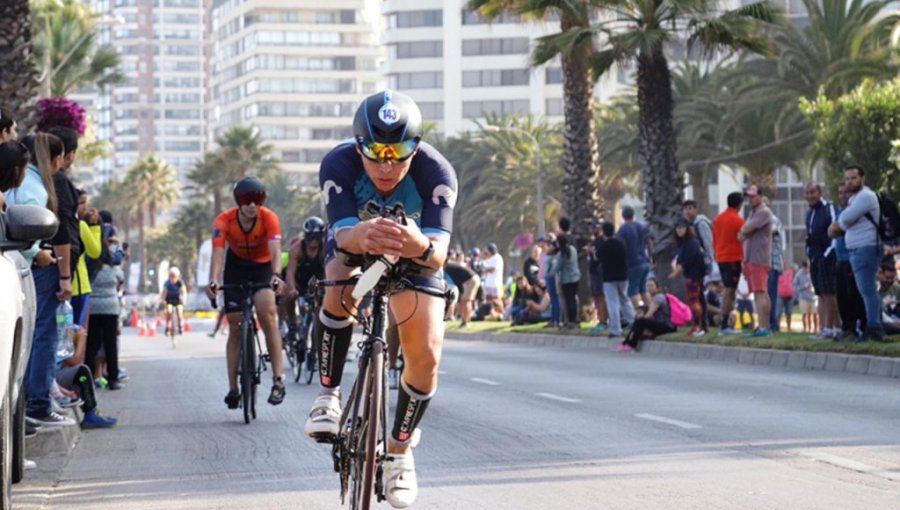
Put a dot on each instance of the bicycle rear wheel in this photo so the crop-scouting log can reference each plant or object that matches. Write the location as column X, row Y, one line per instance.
column 247, row 368
column 298, row 353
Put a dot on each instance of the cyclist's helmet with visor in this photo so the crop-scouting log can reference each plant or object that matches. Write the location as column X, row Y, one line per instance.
column 249, row 190
column 387, row 127
column 313, row 228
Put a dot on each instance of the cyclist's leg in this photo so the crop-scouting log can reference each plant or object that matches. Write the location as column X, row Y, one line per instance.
column 233, row 349
column 168, row 317
column 179, row 312
column 334, row 327
column 264, row 301
column 422, row 338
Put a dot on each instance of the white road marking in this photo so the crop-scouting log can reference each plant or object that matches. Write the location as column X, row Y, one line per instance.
column 441, row 372
column 669, row 421
column 853, row 465
column 484, row 381
column 551, row 396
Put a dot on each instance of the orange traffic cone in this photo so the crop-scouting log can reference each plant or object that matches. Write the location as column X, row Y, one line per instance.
column 142, row 329
column 187, row 326
column 134, row 318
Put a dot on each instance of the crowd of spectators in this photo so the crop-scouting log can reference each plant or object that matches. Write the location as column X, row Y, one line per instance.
column 80, row 265
column 731, row 272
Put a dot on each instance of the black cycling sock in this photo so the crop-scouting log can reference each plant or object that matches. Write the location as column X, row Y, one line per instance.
column 334, row 335
column 411, row 405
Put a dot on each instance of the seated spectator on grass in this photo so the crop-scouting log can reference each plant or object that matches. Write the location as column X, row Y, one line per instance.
column 889, row 290
column 743, row 305
column 655, row 321
column 806, row 298
column 714, row 293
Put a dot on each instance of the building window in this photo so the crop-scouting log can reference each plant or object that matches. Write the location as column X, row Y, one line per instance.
column 478, row 109
column 432, row 110
column 411, row 19
column 511, row 46
column 473, row 18
column 555, row 107
column 495, row 78
column 423, row 80
column 419, row 49
column 554, row 75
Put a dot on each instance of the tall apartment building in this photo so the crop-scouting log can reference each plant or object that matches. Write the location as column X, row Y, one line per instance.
column 458, row 66
column 160, row 106
column 295, row 70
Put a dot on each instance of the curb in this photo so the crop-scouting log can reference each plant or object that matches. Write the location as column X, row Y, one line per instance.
column 51, row 450
column 859, row 364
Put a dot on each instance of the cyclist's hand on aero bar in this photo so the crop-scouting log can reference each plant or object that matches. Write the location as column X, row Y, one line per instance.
column 383, row 236
column 414, row 242
column 277, row 285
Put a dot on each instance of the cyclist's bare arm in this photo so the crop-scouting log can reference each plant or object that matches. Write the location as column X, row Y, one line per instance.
column 275, row 254
column 215, row 269
column 293, row 259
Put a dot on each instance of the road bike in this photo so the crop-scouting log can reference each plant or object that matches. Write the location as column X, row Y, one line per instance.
column 250, row 364
column 358, row 451
column 171, row 318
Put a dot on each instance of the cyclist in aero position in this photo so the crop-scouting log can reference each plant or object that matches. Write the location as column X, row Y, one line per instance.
column 305, row 261
column 252, row 234
column 173, row 296
column 387, row 167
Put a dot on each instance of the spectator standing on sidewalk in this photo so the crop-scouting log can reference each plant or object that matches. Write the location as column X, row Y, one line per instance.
column 551, row 269
column 778, row 246
column 858, row 222
column 729, row 254
column 636, row 237
column 703, row 228
column 596, row 278
column 493, row 276
column 569, row 276
column 822, row 260
column 613, row 256
column 756, row 234
column 849, row 302
column 690, row 262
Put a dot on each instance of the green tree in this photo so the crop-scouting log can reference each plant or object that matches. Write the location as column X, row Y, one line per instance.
column 574, row 47
column 18, row 87
column 859, row 128
column 210, row 180
column 153, row 186
column 637, row 32
column 243, row 152
column 65, row 49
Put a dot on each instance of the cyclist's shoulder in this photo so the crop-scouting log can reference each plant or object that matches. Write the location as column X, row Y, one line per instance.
column 227, row 216
column 340, row 159
column 431, row 165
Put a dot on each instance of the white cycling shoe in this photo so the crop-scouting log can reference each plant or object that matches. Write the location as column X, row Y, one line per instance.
column 323, row 422
column 400, row 484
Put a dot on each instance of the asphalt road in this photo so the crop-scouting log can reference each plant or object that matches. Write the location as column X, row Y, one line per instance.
column 512, row 427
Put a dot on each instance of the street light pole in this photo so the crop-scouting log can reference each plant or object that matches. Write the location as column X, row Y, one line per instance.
column 539, row 178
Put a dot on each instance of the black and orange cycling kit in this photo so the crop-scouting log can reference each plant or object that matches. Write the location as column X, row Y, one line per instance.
column 248, row 257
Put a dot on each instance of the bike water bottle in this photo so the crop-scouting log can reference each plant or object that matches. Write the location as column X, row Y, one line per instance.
column 65, row 331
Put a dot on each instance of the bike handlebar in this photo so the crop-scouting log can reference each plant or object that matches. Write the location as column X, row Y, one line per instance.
column 251, row 286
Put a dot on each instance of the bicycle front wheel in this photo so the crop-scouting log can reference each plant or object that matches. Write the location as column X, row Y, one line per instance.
column 247, row 368
column 312, row 354
column 373, row 429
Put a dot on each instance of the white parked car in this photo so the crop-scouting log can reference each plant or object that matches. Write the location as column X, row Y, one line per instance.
column 20, row 227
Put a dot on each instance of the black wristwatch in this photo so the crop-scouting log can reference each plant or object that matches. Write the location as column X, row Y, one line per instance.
column 425, row 257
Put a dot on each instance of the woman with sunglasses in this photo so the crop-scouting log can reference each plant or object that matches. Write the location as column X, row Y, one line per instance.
column 247, row 240
column 387, row 168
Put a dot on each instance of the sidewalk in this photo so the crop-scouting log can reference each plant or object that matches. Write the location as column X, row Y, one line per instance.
column 794, row 360
column 50, row 449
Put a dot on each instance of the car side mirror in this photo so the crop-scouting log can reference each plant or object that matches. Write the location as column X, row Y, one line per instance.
column 25, row 224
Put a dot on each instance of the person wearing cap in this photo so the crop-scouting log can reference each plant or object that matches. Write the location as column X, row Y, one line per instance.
column 729, row 255
column 858, row 223
column 636, row 237
column 756, row 234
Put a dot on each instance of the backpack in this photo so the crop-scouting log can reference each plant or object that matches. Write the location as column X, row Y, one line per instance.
column 786, row 284
column 679, row 313
column 888, row 224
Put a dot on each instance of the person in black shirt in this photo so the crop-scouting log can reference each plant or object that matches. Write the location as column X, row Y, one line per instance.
column 690, row 262
column 468, row 283
column 615, row 280
column 530, row 267
column 596, row 273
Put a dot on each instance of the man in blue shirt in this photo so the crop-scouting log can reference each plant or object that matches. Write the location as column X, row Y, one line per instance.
column 636, row 237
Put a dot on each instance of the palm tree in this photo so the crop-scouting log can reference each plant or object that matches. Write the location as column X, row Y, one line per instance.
column 210, row 179
column 18, row 87
column 581, row 159
column 65, row 50
column 619, row 145
column 637, row 32
column 153, row 187
column 194, row 219
column 243, row 152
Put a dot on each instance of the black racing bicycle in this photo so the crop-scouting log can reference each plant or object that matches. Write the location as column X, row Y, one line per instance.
column 356, row 453
column 300, row 346
column 250, row 364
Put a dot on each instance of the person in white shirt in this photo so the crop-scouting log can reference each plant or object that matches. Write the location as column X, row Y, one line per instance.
column 493, row 275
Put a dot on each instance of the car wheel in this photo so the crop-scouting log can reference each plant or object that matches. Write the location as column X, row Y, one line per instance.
column 18, row 438
column 6, row 454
